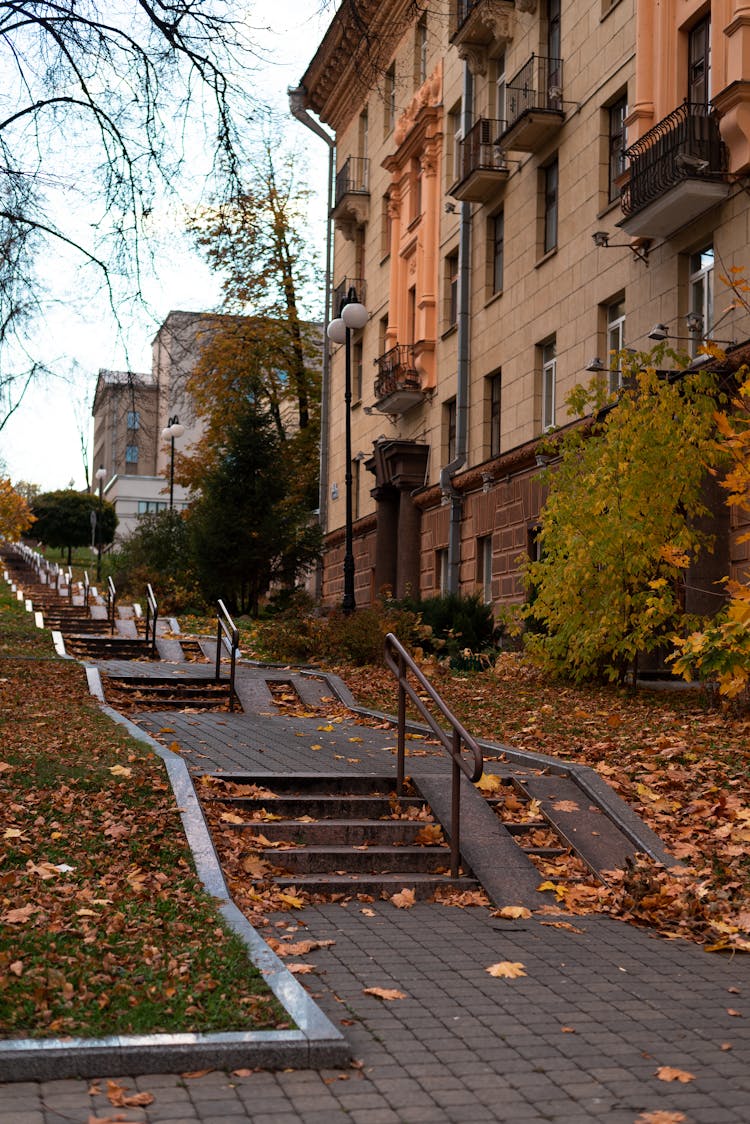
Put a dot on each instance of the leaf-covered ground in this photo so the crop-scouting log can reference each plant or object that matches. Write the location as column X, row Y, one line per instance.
column 684, row 767
column 105, row 929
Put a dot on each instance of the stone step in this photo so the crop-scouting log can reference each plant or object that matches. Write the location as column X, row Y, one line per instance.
column 374, row 885
column 351, row 832
column 375, row 859
column 321, row 806
column 310, row 783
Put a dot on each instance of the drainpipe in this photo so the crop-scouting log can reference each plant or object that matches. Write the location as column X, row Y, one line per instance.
column 462, row 378
column 298, row 109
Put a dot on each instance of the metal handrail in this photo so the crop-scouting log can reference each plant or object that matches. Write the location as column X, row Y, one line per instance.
column 353, row 178
column 111, row 600
column 226, row 633
column 152, row 612
column 401, row 664
column 86, row 589
column 69, row 579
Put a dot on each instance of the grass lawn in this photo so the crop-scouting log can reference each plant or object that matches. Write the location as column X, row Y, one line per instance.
column 105, row 927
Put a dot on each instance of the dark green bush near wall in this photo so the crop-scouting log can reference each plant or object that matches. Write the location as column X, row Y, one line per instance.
column 455, row 622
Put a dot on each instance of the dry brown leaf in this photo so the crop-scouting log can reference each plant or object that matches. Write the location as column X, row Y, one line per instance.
column 368, row 912
column 116, row 1119
column 385, row 993
column 735, row 1014
column 660, row 1117
column 242, row 1072
column 670, row 1073
column 21, row 915
column 567, row 1030
column 566, row 806
column 506, row 970
column 512, row 912
column 118, row 1096
column 489, row 783
column 300, row 969
column 563, row 925
column 196, row 1073
column 404, row 899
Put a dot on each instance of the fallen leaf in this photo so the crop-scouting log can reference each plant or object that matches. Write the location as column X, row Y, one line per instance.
column 660, row 1117
column 196, row 1073
column 563, row 925
column 120, row 771
column 565, row 806
column 385, row 993
column 242, row 1072
column 16, row 967
column 735, row 1014
column 404, row 899
column 300, row 969
column 726, row 1046
column 506, row 970
column 512, row 912
column 567, row 1030
column 368, row 912
column 670, row 1073
column 489, row 782
column 231, row 817
column 21, row 915
column 120, row 1098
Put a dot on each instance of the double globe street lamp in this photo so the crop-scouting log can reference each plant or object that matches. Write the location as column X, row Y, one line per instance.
column 173, row 429
column 352, row 317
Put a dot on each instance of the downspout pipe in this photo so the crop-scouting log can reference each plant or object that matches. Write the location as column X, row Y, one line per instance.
column 462, row 377
column 298, row 108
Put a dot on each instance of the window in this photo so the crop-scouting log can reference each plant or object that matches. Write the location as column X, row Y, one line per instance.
column 699, row 63
column 497, row 249
column 617, row 145
column 550, row 183
column 386, row 226
column 549, row 375
column 147, row 507
column 615, row 342
column 441, row 570
column 411, row 321
column 484, row 567
column 131, row 454
column 498, row 110
column 363, row 134
column 357, row 369
column 702, row 293
column 554, row 76
column 454, row 137
column 494, row 387
column 415, row 189
column 390, row 99
column 449, row 421
column 420, row 51
column 356, row 464
column 451, row 290
column 134, row 419
column 359, row 253
column 382, row 334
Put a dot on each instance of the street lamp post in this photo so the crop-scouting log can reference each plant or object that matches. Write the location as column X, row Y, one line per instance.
column 173, row 429
column 353, row 316
column 100, row 475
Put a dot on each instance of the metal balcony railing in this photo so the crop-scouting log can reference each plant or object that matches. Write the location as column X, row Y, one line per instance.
column 353, row 178
column 684, row 145
column 479, row 151
column 537, row 85
column 342, row 290
column 396, row 371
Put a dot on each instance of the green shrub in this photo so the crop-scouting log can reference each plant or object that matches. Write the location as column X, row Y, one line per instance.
column 455, row 623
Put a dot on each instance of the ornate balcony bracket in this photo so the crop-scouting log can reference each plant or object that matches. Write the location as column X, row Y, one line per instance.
column 481, row 30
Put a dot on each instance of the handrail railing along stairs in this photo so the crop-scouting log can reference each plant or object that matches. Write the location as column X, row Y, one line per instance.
column 401, row 664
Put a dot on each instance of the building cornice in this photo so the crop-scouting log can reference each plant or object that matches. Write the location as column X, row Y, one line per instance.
column 352, row 58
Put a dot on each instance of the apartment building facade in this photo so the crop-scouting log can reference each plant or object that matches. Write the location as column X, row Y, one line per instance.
column 522, row 189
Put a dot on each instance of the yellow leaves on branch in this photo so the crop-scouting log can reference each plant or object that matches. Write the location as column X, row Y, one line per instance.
column 15, row 513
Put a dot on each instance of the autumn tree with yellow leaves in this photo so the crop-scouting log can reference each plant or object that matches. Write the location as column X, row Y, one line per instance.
column 15, row 513
column 622, row 522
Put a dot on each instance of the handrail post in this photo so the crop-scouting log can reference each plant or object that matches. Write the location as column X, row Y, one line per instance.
column 235, row 645
column 455, row 805
column 217, row 674
column 401, row 727
column 111, row 599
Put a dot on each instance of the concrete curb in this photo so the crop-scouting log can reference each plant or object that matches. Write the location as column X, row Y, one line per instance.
column 315, row 1044
column 588, row 780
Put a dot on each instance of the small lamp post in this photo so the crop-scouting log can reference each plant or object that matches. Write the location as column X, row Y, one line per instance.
column 173, row 430
column 101, row 475
column 353, row 316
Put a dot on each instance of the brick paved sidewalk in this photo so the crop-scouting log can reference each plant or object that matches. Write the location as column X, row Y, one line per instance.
column 579, row 1038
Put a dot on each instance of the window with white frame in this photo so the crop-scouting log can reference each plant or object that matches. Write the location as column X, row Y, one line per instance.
column 454, row 137
column 148, row 507
column 702, row 293
column 131, row 454
column 618, row 111
column 615, row 343
column 451, row 290
column 134, row 419
column 549, row 377
column 550, row 201
column 494, row 393
column 497, row 244
column 420, row 51
column 500, row 108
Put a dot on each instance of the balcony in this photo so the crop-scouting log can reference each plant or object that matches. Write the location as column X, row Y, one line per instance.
column 351, row 207
column 482, row 170
column 534, row 104
column 341, row 291
column 481, row 28
column 677, row 171
column 398, row 386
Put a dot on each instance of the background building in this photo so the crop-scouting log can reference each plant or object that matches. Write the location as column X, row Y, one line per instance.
column 520, row 189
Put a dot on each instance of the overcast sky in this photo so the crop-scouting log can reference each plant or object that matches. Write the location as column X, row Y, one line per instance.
column 41, row 443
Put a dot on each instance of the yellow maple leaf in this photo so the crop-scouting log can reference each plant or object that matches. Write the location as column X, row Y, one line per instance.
column 404, row 899
column 513, row 912
column 120, row 771
column 489, row 782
